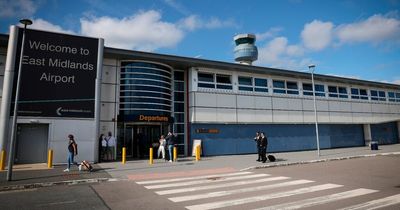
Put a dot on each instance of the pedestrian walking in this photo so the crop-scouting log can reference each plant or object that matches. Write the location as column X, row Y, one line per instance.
column 161, row 147
column 72, row 151
column 257, row 139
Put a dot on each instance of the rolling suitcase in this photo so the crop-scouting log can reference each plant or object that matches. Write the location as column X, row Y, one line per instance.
column 271, row 158
column 87, row 165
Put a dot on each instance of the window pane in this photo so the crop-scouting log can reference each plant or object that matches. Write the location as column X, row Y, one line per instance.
column 374, row 93
column 354, row 91
column 397, row 95
column 391, row 94
column 293, row 92
column 261, row 82
column 307, row 93
column 320, row 88
column 279, row 91
column 179, row 117
column 363, row 92
column 332, row 89
column 265, row 90
column 245, row 81
column 278, row 84
column 343, row 96
column 245, row 88
column 179, row 96
column 223, row 79
column 226, row 87
column 307, row 87
column 179, row 86
column 179, row 107
column 291, row 85
column 179, row 75
column 333, row 95
column 205, row 77
column 382, row 94
column 343, row 90
column 205, row 85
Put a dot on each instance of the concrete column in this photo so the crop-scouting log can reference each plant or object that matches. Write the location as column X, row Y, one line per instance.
column 367, row 134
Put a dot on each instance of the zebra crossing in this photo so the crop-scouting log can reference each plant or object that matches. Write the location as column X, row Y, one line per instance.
column 242, row 188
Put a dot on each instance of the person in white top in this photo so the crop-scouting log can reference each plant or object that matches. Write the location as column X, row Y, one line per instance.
column 111, row 146
column 161, row 148
column 104, row 147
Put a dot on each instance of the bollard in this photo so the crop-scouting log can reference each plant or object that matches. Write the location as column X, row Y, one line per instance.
column 175, row 153
column 151, row 156
column 50, row 159
column 123, row 155
column 3, row 160
column 197, row 152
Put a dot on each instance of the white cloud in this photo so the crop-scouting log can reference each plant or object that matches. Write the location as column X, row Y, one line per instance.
column 396, row 82
column 317, row 35
column 177, row 6
column 16, row 8
column 278, row 54
column 376, row 28
column 194, row 22
column 143, row 31
column 191, row 23
column 47, row 26
column 268, row 34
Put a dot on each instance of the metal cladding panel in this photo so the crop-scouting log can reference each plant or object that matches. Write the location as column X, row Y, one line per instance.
column 224, row 100
column 246, row 102
column 206, row 100
column 238, row 138
column 386, row 133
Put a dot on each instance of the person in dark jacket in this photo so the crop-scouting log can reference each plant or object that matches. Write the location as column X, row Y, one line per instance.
column 170, row 142
column 257, row 139
column 263, row 146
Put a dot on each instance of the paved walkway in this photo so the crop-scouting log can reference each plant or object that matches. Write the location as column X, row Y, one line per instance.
column 38, row 175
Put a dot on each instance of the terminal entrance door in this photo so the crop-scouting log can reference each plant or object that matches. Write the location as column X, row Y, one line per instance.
column 139, row 138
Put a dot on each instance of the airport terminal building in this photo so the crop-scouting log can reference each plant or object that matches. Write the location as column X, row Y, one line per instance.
column 222, row 104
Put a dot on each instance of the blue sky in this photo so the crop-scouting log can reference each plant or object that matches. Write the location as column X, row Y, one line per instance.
column 350, row 38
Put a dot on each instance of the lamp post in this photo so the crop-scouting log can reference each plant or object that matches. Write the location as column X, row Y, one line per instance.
column 11, row 155
column 311, row 67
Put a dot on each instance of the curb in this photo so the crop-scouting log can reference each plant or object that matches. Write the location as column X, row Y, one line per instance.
column 318, row 161
column 60, row 183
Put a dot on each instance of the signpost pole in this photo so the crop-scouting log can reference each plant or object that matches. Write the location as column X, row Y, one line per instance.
column 14, row 122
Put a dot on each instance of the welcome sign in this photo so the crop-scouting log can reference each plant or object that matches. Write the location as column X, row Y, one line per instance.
column 58, row 75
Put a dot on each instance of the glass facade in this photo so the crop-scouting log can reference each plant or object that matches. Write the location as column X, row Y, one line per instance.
column 179, row 109
column 146, row 88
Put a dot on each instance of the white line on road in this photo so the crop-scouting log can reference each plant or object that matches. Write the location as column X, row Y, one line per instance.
column 216, row 186
column 237, row 191
column 178, row 184
column 320, row 200
column 376, row 204
column 57, row 203
column 192, row 178
column 226, row 203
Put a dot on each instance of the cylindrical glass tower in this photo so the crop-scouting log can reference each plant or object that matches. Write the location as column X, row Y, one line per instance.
column 146, row 89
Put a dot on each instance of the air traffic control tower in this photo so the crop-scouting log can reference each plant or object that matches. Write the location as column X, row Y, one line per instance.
column 245, row 51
